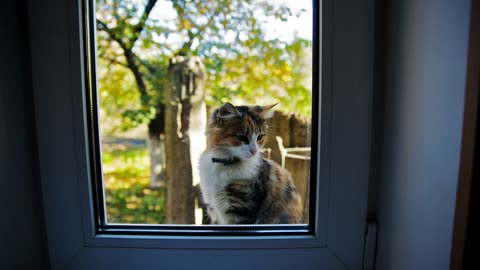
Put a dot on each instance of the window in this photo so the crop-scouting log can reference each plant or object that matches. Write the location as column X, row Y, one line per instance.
column 60, row 81
column 244, row 52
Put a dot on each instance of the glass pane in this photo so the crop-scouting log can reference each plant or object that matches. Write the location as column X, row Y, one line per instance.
column 205, row 110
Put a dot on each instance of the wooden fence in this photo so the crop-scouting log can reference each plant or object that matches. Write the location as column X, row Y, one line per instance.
column 289, row 145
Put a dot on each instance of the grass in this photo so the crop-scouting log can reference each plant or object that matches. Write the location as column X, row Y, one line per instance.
column 129, row 198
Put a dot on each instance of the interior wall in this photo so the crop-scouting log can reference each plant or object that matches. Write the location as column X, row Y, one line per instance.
column 425, row 66
column 23, row 244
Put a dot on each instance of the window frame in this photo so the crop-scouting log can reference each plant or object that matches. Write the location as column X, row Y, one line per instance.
column 95, row 162
column 58, row 70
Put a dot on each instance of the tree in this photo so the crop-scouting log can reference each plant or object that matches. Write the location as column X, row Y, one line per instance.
column 118, row 40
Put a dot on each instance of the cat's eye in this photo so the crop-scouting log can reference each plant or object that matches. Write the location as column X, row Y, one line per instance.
column 242, row 138
column 260, row 137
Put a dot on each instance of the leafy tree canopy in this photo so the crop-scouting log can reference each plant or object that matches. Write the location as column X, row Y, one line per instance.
column 137, row 37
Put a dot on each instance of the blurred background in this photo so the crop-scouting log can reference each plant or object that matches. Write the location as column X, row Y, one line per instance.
column 164, row 65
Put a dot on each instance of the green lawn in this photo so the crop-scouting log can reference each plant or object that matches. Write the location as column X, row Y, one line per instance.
column 129, row 197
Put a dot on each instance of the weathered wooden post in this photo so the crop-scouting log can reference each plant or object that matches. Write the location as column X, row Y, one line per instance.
column 186, row 83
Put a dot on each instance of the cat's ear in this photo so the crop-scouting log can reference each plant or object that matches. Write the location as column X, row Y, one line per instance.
column 227, row 112
column 267, row 112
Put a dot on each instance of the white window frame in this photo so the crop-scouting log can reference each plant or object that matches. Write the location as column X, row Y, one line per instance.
column 346, row 78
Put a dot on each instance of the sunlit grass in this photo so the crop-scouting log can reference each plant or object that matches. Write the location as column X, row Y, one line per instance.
column 129, row 198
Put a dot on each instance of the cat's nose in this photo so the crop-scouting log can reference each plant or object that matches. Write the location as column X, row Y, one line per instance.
column 253, row 151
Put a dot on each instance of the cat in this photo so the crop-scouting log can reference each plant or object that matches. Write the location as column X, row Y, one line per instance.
column 239, row 185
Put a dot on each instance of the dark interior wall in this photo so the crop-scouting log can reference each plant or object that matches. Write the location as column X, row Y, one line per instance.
column 21, row 232
column 425, row 66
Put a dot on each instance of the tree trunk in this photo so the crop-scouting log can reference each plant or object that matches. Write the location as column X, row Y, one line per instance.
column 186, row 78
column 156, row 147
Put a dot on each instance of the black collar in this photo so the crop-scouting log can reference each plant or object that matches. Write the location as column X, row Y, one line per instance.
column 226, row 161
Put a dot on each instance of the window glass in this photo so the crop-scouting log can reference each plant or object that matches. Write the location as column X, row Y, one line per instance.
column 205, row 111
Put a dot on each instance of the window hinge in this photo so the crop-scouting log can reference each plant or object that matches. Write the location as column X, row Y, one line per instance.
column 370, row 247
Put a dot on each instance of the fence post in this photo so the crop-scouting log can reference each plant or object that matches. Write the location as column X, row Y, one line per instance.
column 186, row 80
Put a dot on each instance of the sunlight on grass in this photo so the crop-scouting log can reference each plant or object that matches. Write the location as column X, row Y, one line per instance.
column 129, row 198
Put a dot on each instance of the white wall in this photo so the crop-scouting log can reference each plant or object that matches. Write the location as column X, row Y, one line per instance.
column 21, row 227
column 426, row 50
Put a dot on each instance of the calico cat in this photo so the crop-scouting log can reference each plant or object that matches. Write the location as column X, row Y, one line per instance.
column 238, row 184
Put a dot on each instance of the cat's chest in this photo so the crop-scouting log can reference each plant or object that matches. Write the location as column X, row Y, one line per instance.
column 216, row 176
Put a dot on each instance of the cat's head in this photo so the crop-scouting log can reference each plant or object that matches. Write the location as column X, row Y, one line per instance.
column 239, row 130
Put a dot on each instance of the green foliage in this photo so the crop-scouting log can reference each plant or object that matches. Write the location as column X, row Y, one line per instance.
column 266, row 74
column 129, row 199
column 135, row 43
column 134, row 118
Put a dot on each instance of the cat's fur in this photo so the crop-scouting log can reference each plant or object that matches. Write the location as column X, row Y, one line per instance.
column 239, row 185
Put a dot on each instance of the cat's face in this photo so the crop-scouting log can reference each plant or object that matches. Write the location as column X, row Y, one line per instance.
column 241, row 130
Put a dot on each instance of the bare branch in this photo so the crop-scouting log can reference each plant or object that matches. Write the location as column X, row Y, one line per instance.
column 129, row 56
column 132, row 63
column 101, row 26
column 113, row 61
column 138, row 28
